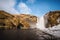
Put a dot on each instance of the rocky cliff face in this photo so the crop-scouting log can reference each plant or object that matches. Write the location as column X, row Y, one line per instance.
column 30, row 19
column 5, row 19
column 52, row 18
column 10, row 21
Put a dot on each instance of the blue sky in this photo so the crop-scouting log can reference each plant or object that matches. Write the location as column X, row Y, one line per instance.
column 34, row 7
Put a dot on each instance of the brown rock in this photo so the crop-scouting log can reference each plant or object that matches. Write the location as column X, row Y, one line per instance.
column 9, row 21
column 25, row 19
column 52, row 18
column 4, row 19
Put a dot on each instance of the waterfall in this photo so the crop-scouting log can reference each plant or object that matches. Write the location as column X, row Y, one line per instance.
column 55, row 30
column 40, row 23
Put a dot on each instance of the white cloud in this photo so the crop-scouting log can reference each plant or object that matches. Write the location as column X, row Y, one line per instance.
column 23, row 8
column 8, row 5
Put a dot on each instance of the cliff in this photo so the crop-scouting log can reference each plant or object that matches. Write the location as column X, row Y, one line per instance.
column 52, row 18
column 10, row 21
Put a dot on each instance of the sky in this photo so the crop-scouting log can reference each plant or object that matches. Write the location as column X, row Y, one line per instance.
column 34, row 7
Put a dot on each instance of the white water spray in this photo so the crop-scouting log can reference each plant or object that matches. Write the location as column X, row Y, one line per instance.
column 40, row 23
column 41, row 26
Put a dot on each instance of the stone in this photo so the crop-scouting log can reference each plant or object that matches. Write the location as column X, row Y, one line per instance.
column 53, row 18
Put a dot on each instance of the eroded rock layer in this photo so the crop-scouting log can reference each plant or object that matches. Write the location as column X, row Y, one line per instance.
column 52, row 18
column 10, row 21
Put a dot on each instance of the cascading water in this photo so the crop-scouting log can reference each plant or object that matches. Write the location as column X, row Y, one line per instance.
column 40, row 23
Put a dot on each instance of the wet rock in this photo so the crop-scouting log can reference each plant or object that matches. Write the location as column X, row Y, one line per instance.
column 30, row 34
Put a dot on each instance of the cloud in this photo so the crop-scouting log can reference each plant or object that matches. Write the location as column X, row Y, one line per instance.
column 8, row 5
column 23, row 8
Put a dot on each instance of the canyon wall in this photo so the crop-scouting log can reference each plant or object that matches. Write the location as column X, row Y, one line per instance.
column 11, row 21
